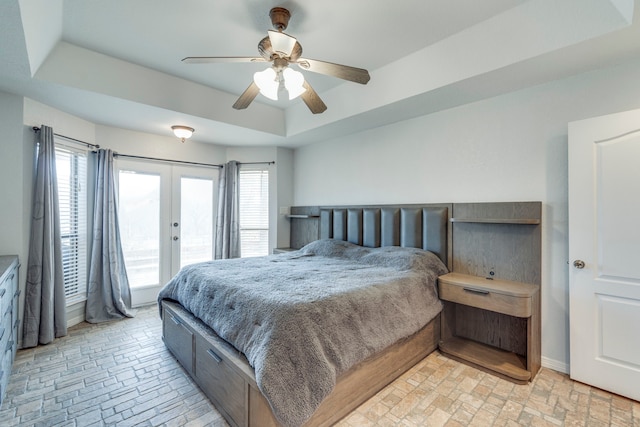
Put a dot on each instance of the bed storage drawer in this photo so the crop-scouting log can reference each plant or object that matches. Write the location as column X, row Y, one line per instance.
column 178, row 337
column 217, row 378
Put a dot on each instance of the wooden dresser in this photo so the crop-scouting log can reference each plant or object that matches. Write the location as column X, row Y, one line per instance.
column 9, row 322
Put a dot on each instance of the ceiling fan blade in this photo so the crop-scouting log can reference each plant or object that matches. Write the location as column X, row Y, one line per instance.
column 220, row 59
column 281, row 42
column 313, row 101
column 358, row 75
column 247, row 97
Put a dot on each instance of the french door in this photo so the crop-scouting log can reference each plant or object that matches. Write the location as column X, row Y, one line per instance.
column 167, row 218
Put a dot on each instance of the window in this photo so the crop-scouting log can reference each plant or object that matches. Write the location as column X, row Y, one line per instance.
column 71, row 169
column 254, row 212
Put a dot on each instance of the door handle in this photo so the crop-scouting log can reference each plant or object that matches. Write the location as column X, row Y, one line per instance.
column 175, row 237
column 579, row 264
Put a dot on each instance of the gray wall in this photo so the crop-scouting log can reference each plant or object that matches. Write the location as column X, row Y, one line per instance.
column 508, row 148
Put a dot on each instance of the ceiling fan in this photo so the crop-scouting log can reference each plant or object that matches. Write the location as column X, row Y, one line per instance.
column 281, row 50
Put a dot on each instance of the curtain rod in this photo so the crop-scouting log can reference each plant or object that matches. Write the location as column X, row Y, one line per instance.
column 36, row 129
column 167, row 160
column 257, row 163
column 189, row 163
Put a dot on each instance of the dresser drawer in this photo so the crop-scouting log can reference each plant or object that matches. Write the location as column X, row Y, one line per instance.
column 6, row 296
column 220, row 381
column 15, row 320
column 7, row 345
column 500, row 296
column 6, row 333
column 5, row 372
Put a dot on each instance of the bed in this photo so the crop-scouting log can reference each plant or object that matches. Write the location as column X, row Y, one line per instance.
column 306, row 336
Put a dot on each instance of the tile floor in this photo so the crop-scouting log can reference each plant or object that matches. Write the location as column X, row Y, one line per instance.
column 120, row 374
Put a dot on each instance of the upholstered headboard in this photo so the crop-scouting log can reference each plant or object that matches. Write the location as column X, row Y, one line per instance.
column 416, row 226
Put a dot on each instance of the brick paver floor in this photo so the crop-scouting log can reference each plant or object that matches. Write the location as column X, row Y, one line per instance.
column 120, row 374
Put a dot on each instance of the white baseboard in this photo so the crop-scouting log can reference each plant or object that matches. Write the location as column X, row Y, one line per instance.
column 75, row 320
column 75, row 313
column 556, row 365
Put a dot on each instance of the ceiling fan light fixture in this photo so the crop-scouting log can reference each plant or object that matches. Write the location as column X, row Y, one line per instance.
column 281, row 42
column 267, row 81
column 283, row 50
column 293, row 82
column 182, row 132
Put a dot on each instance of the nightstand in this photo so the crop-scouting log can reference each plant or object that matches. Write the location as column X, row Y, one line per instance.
column 282, row 250
column 505, row 313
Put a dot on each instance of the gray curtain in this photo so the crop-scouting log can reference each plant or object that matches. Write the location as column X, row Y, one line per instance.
column 228, row 220
column 45, row 311
column 108, row 293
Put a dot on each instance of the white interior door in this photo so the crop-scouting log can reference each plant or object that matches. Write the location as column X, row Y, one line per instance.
column 604, row 252
column 167, row 218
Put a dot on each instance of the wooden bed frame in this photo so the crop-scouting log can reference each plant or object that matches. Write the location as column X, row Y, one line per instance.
column 225, row 375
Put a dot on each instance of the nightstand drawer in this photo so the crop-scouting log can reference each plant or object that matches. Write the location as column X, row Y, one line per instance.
column 511, row 298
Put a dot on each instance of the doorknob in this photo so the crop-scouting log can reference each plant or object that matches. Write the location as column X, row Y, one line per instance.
column 175, row 237
column 579, row 264
column 175, row 224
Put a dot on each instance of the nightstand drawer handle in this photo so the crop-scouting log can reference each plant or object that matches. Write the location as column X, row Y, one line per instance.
column 476, row 291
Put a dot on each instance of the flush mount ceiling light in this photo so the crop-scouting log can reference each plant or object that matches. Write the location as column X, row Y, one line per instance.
column 182, row 132
column 283, row 50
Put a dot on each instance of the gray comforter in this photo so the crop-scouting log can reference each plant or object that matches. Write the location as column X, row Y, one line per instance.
column 305, row 317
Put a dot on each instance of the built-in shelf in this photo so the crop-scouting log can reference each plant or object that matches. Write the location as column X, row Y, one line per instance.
column 499, row 361
column 303, row 216
column 526, row 221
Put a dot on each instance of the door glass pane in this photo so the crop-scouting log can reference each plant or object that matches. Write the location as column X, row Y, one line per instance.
column 196, row 213
column 139, row 210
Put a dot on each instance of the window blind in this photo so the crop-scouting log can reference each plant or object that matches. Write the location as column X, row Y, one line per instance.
column 254, row 212
column 71, row 169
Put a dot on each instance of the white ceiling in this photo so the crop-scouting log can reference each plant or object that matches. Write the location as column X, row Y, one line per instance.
column 117, row 62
